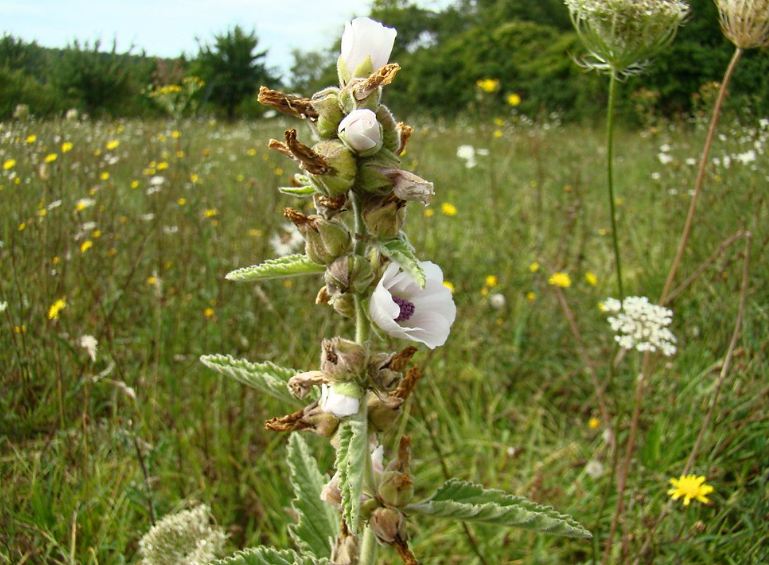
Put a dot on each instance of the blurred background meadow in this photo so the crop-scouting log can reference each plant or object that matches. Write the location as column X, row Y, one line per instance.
column 130, row 184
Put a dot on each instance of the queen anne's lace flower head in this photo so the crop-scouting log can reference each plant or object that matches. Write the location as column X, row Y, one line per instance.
column 622, row 35
column 745, row 22
column 640, row 325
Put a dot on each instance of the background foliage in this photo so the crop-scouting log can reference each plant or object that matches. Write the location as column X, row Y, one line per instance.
column 527, row 44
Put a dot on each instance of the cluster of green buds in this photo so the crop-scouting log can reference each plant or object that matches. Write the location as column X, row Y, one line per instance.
column 622, row 35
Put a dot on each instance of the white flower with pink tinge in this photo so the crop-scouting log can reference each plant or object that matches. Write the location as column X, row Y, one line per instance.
column 401, row 308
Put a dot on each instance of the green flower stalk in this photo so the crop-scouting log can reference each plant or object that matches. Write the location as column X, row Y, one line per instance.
column 621, row 37
column 356, row 246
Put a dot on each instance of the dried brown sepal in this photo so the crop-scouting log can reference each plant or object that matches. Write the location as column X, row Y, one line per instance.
column 404, row 552
column 382, row 77
column 333, row 203
column 311, row 161
column 404, row 454
column 400, row 360
column 408, row 384
column 280, row 147
column 288, row 423
column 296, row 217
column 323, row 297
column 405, row 133
column 288, row 104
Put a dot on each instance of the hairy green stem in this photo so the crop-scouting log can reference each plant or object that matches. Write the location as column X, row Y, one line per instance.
column 368, row 548
column 610, row 177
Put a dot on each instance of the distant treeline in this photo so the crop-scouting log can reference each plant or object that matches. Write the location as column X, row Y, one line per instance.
column 527, row 45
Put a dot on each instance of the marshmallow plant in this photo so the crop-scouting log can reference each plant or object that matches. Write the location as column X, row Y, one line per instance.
column 368, row 272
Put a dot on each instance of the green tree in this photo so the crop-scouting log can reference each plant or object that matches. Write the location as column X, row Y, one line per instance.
column 232, row 68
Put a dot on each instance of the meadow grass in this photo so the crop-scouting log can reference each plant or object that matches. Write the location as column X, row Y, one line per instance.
column 90, row 451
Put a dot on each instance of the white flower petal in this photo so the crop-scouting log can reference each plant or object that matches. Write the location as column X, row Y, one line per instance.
column 340, row 405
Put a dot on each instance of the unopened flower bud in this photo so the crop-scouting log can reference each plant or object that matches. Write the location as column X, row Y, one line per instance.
column 383, row 411
column 396, row 488
column 388, row 524
column 326, row 103
column 322, row 422
column 390, row 133
column 351, row 273
column 380, row 375
column 408, row 186
column 325, row 240
column 342, row 359
column 301, row 384
column 341, row 399
column 366, row 46
column 361, row 132
column 343, row 165
column 384, row 217
column 371, row 179
column 343, row 304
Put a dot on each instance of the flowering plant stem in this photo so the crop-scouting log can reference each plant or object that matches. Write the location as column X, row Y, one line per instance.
column 610, row 177
column 700, row 180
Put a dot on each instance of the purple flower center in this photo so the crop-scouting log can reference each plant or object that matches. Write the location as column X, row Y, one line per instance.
column 406, row 309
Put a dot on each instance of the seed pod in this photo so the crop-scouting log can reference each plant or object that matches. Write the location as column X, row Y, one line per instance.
column 326, row 103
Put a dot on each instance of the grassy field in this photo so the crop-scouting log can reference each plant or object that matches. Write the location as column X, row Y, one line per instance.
column 135, row 226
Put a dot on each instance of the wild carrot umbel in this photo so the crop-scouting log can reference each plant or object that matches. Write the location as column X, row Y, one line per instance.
column 355, row 243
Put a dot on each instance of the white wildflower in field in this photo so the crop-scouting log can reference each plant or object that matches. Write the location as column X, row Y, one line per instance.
column 594, row 469
column 747, row 157
column 497, row 301
column 401, row 308
column 89, row 343
column 286, row 240
column 184, row 538
column 3, row 306
column 468, row 154
column 664, row 158
column 641, row 325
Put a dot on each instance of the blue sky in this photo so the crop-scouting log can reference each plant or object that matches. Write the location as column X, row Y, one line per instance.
column 169, row 27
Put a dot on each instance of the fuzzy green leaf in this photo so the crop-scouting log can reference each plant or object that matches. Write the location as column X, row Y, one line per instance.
column 400, row 251
column 318, row 525
column 470, row 502
column 270, row 556
column 307, row 190
column 351, row 460
column 266, row 377
column 288, row 266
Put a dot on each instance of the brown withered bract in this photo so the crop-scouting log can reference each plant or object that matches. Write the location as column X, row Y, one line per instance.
column 288, row 423
column 405, row 131
column 310, row 160
column 408, row 384
column 382, row 77
column 289, row 104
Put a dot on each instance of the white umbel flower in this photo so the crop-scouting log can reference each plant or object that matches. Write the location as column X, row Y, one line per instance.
column 641, row 325
column 185, row 538
column 364, row 39
column 401, row 308
column 90, row 344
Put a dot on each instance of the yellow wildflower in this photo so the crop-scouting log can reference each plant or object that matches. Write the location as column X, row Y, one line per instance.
column 492, row 281
column 134, row 184
column 96, row 234
column 180, row 154
column 66, row 147
column 194, row 178
column 112, row 144
column 498, row 133
column 499, row 122
column 55, row 260
column 8, row 164
column 176, row 134
column 181, row 201
column 255, row 232
column 690, row 487
column 86, row 245
column 162, row 166
column 591, row 278
column 514, row 99
column 531, row 296
column 51, row 157
column 22, row 226
column 448, row 209
column 534, row 267
column 56, row 308
column 209, row 312
column 152, row 280
column 20, row 329
column 31, row 138
column 428, row 213
column 593, row 423
column 251, row 152
column 210, row 212
column 104, row 176
column 42, row 212
column 278, row 171
column 488, row 85
column 559, row 279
